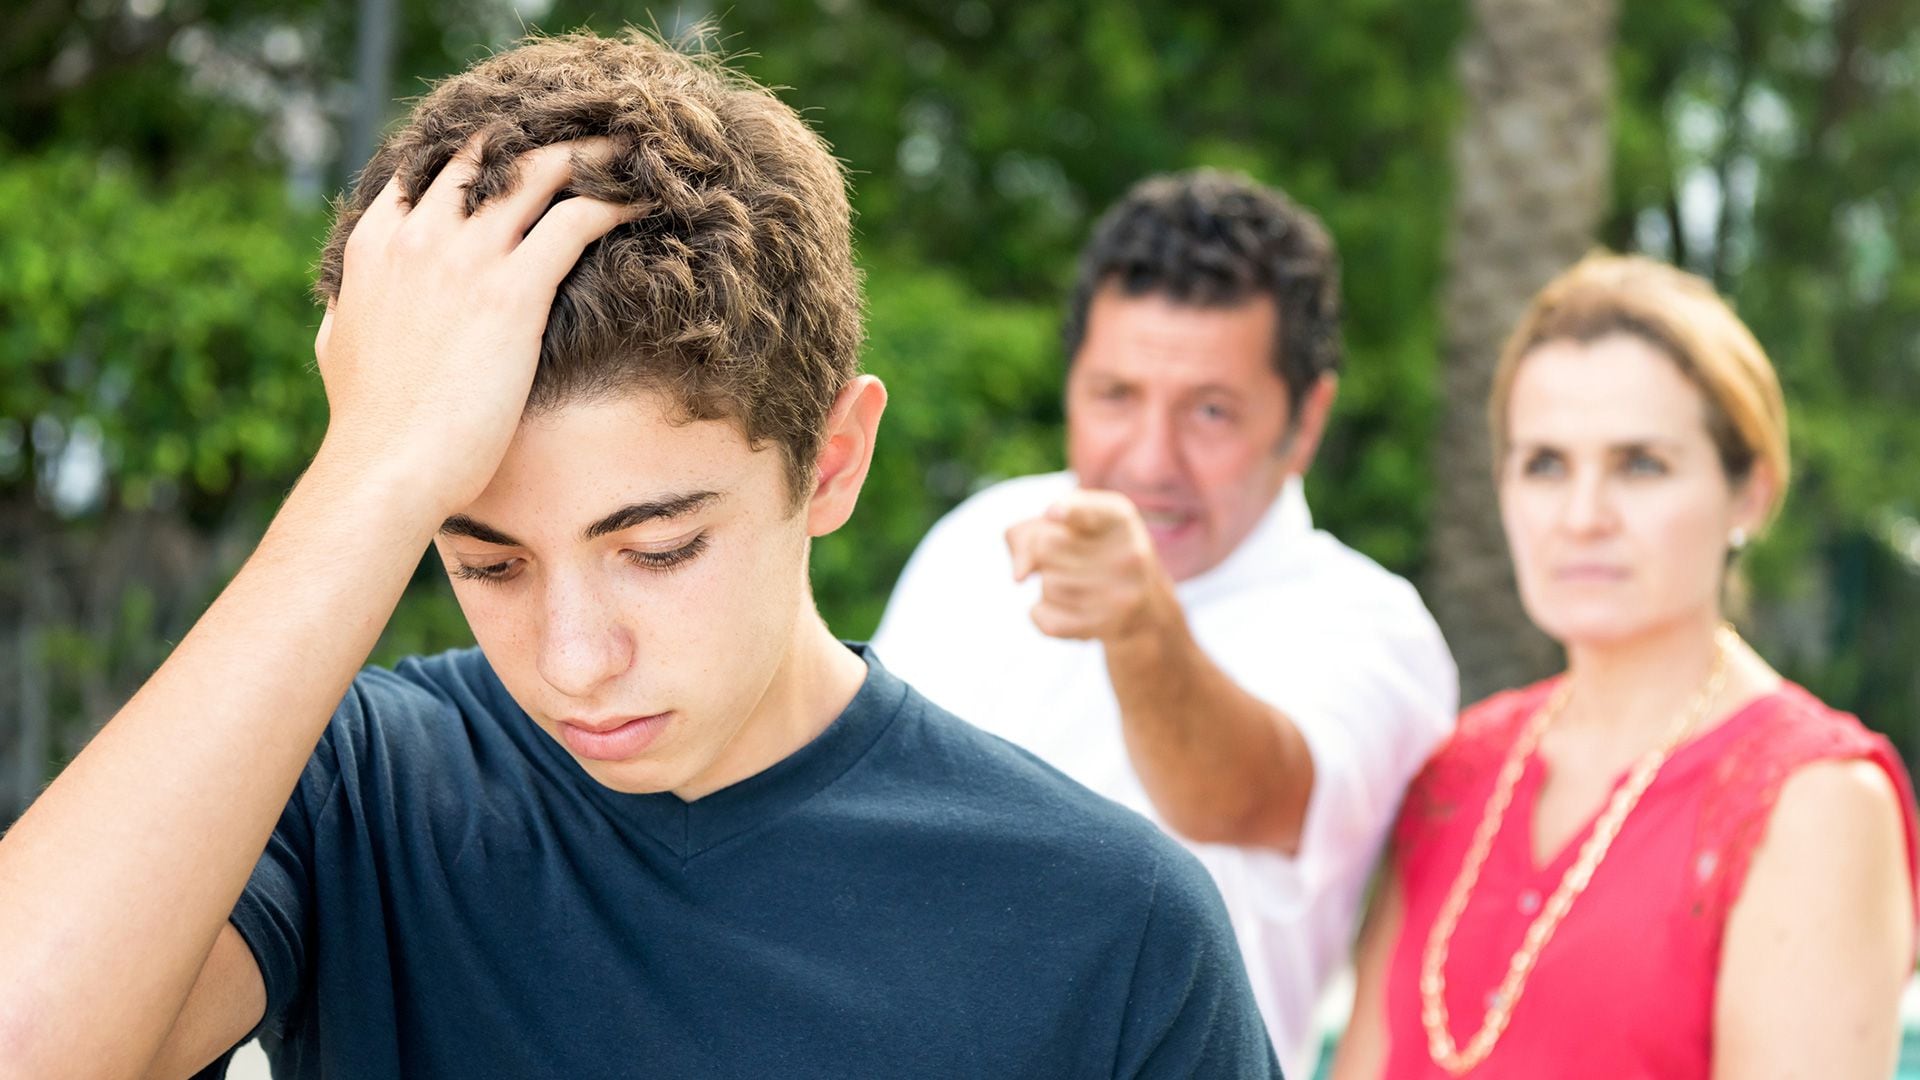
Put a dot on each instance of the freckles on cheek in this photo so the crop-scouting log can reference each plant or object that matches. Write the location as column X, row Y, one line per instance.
column 498, row 625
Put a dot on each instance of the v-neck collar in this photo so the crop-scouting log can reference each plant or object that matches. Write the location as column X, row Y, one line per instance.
column 1686, row 758
column 689, row 828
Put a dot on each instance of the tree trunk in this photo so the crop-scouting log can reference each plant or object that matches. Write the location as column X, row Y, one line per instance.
column 1532, row 171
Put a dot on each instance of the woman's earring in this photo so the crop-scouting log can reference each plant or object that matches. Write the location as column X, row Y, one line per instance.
column 1737, row 539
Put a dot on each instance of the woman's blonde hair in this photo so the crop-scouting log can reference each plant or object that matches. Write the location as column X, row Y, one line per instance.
column 1681, row 315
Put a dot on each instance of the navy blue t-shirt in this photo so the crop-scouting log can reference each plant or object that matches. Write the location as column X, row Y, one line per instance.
column 448, row 894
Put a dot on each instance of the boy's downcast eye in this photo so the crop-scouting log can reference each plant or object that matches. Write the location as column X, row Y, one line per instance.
column 668, row 560
column 490, row 572
column 647, row 560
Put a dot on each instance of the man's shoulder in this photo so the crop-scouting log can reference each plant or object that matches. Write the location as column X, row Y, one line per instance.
column 997, row 506
column 1325, row 593
column 958, row 588
column 1364, row 582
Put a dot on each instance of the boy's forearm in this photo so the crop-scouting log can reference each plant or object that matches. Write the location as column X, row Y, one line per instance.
column 115, row 882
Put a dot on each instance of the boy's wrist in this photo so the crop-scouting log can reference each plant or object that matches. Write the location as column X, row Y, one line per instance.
column 386, row 498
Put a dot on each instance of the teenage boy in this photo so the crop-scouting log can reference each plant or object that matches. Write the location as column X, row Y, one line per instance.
column 592, row 326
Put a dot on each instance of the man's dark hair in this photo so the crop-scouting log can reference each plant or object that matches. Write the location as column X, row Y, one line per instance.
column 1214, row 239
column 735, row 295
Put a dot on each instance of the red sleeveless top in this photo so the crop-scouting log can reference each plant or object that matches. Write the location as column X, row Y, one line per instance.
column 1625, row 988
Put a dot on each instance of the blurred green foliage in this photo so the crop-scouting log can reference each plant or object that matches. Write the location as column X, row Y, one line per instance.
column 174, row 319
column 1805, row 118
column 161, row 177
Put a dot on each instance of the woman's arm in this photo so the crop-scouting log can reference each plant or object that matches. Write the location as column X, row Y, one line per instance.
column 1821, row 941
column 1363, row 1048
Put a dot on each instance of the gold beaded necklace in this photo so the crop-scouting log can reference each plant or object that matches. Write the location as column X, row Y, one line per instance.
column 1433, row 981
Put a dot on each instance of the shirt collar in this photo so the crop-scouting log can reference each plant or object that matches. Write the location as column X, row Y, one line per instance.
column 1272, row 543
column 689, row 828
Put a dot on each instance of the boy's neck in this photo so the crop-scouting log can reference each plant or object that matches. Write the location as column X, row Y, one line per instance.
column 813, row 685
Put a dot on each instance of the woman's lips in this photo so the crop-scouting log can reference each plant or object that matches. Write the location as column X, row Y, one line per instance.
column 617, row 743
column 1591, row 572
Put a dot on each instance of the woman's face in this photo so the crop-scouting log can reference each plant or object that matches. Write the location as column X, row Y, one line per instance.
column 1617, row 509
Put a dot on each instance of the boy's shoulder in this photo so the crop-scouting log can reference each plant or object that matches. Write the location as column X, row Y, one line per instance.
column 953, row 776
column 419, row 718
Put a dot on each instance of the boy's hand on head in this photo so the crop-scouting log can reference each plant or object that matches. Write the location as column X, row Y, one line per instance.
column 428, row 352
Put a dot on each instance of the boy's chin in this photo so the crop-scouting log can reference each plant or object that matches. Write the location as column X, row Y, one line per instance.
column 641, row 777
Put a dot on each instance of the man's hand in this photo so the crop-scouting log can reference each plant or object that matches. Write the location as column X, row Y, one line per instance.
column 1100, row 577
column 429, row 352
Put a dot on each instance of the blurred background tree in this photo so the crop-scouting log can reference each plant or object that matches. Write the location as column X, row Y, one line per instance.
column 164, row 166
column 1532, row 157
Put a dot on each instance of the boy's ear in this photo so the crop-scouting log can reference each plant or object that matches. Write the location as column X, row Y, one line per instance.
column 845, row 454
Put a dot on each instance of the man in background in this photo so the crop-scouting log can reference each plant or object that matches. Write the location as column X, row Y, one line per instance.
column 1162, row 622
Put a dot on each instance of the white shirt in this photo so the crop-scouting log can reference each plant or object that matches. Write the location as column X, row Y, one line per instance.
column 1345, row 649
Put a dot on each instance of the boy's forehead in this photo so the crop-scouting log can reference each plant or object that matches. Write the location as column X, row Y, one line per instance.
column 570, row 464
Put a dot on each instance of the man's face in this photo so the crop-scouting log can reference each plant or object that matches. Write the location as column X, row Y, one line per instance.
column 636, row 584
column 1178, row 407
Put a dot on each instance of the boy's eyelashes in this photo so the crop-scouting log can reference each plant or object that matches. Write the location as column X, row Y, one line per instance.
column 657, row 561
column 667, row 560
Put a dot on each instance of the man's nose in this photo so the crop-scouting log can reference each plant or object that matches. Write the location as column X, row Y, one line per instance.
column 1152, row 456
column 583, row 643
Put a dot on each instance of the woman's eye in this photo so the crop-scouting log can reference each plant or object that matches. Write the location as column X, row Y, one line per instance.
column 1542, row 464
column 1641, row 464
column 668, row 560
column 1215, row 414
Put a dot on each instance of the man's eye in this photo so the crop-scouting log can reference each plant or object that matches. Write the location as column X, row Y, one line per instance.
column 668, row 560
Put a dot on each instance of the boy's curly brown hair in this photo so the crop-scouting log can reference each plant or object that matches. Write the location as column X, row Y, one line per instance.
column 735, row 295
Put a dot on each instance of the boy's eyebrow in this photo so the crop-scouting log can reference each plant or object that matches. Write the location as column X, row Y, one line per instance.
column 462, row 525
column 667, row 506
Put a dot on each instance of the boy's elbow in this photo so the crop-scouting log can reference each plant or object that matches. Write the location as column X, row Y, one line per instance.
column 31, row 1046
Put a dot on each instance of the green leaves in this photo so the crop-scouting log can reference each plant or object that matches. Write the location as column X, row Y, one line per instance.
column 174, row 317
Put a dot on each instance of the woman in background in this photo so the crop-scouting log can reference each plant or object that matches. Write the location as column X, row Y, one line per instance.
column 1668, row 861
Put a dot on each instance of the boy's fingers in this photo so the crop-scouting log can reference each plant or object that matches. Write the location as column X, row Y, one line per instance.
column 382, row 215
column 554, row 245
column 543, row 173
column 446, row 197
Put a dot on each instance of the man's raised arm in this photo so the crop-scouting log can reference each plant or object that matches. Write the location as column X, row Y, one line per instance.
column 1220, row 765
column 117, row 881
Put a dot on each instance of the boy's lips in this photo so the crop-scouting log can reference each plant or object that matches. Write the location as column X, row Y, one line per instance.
column 614, row 739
